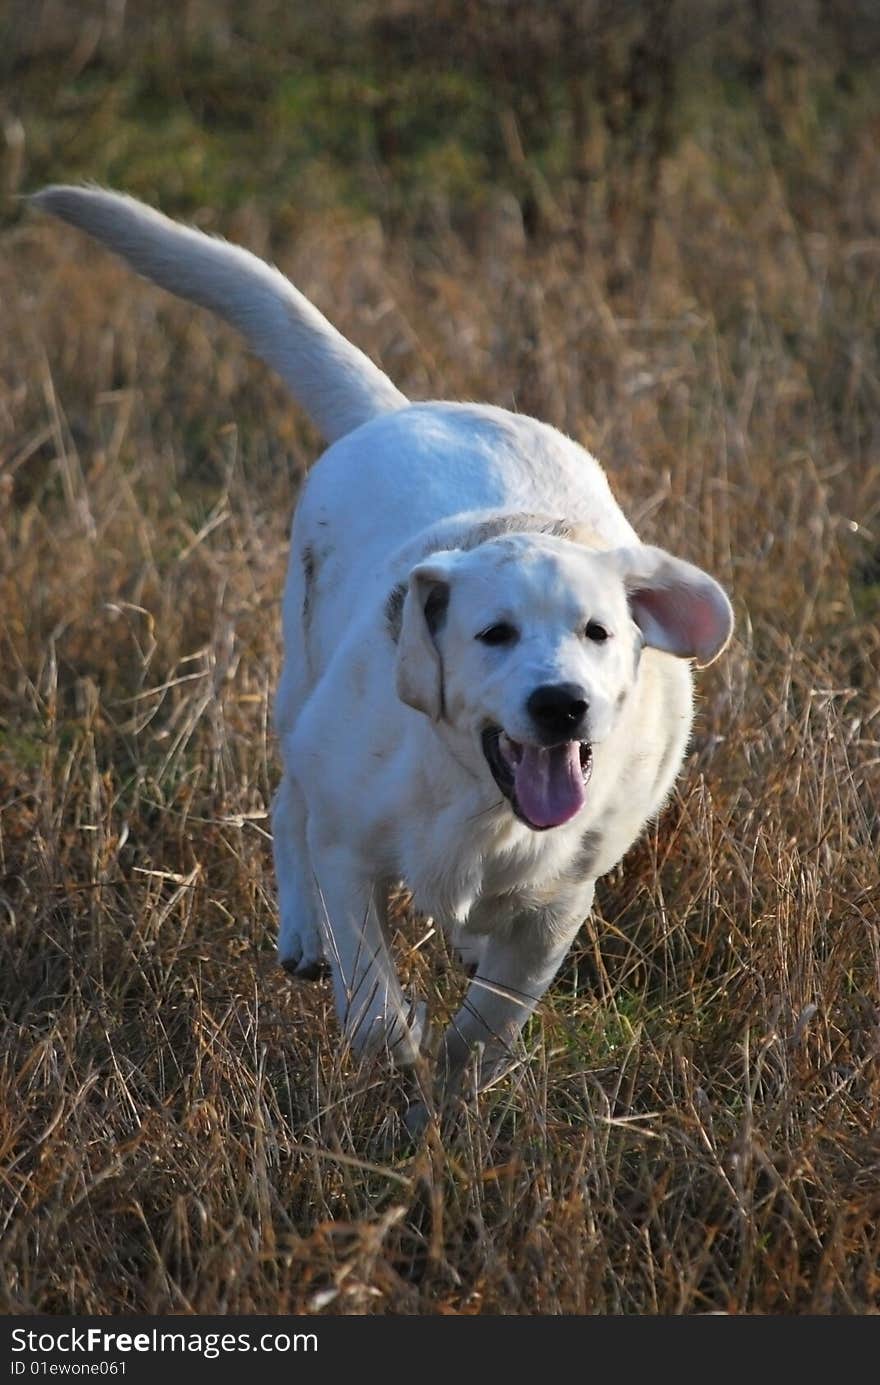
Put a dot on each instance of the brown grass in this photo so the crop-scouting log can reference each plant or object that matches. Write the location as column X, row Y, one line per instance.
column 694, row 1126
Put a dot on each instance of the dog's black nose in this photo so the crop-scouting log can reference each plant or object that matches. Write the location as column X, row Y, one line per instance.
column 559, row 710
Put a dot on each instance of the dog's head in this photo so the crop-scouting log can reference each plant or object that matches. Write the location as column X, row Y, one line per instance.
column 529, row 645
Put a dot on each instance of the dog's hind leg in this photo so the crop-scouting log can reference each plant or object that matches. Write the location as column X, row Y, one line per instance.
column 300, row 949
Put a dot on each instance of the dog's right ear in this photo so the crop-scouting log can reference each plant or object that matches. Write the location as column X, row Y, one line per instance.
column 419, row 662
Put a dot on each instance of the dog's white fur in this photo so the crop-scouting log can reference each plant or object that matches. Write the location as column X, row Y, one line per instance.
column 420, row 529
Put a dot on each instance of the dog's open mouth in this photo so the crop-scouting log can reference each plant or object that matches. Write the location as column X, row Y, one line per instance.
column 545, row 785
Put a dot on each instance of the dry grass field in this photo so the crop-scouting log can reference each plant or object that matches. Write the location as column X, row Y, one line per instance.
column 657, row 232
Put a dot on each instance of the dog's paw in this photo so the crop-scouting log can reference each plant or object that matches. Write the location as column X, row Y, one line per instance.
column 468, row 952
column 415, row 1119
column 300, row 951
column 398, row 1038
column 305, row 970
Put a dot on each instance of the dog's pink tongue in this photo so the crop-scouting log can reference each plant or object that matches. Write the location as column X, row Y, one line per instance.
column 549, row 784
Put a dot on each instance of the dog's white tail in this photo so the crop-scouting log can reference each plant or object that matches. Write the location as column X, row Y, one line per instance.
column 337, row 385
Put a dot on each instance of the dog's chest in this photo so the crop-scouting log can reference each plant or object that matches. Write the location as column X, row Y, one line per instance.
column 461, row 871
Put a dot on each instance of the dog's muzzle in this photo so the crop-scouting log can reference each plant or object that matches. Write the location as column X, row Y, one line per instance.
column 544, row 784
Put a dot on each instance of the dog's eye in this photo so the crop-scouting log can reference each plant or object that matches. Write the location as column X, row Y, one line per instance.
column 595, row 631
column 502, row 633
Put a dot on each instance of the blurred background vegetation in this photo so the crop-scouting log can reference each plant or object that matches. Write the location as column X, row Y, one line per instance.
column 417, row 112
column 658, row 142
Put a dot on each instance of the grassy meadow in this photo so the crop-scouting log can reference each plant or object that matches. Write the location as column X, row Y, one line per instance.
column 655, row 225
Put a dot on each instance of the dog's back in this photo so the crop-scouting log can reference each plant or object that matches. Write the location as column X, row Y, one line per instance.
column 419, row 479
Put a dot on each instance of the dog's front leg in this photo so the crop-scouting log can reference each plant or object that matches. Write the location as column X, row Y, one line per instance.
column 373, row 1011
column 515, row 970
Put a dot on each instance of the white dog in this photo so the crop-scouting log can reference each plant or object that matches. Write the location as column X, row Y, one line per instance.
column 487, row 689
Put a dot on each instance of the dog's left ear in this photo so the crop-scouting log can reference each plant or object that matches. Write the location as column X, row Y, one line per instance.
column 678, row 607
column 419, row 665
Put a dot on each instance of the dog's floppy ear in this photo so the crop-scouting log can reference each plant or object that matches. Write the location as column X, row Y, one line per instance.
column 419, row 665
column 678, row 607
